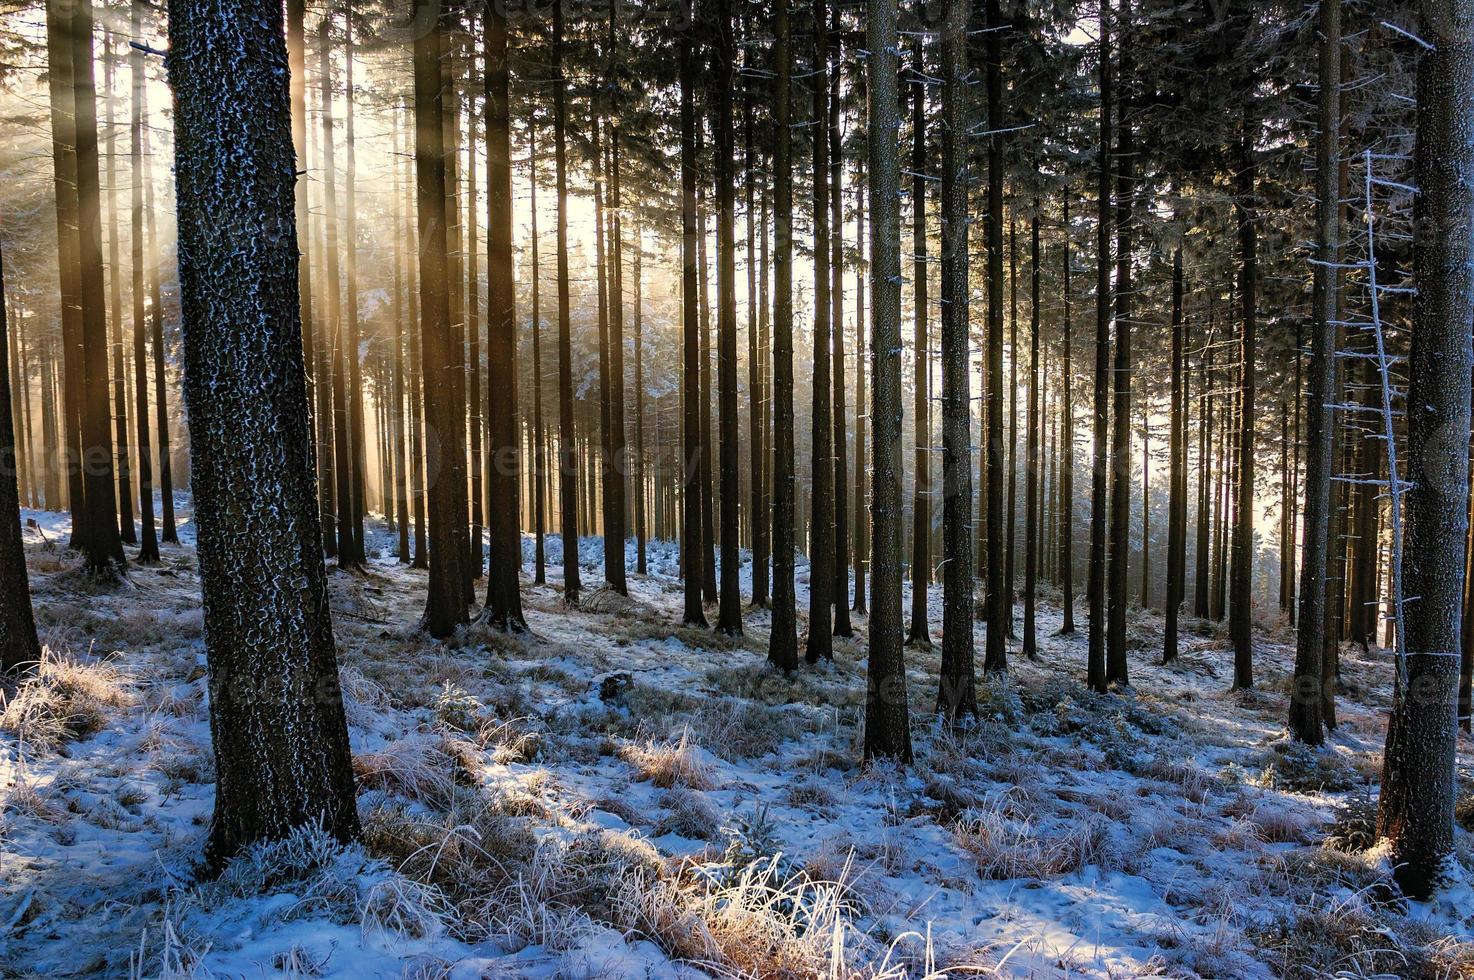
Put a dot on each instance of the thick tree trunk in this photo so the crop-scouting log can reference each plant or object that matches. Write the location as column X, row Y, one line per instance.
column 729, row 611
column 887, row 725
column 1305, row 720
column 503, row 597
column 1120, row 517
column 276, row 715
column 445, row 606
column 694, row 614
column 1418, row 782
column 101, row 541
column 1096, row 585
column 783, row 634
column 820, row 642
column 999, row 614
column 840, row 594
column 957, row 686
column 567, row 449
column 920, row 633
column 18, row 644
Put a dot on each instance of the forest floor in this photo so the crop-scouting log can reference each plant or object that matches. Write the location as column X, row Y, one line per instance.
column 616, row 795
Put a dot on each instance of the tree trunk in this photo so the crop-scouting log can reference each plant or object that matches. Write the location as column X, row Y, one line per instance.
column 1418, row 782
column 567, row 450
column 101, row 541
column 1242, row 604
column 1067, row 444
column 887, row 726
column 920, row 634
column 957, row 686
column 862, row 513
column 694, row 614
column 1306, row 719
column 840, row 594
column 503, row 597
column 783, row 634
column 1096, row 586
column 539, row 437
column 996, row 652
column 1031, row 479
column 281, row 742
column 1177, row 506
column 729, row 611
column 18, row 644
column 820, row 643
column 445, row 606
column 126, row 529
column 1120, row 551
column 148, row 550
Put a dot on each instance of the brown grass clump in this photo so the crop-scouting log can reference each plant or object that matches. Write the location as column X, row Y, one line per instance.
column 689, row 814
column 66, row 699
column 1007, row 847
column 668, row 764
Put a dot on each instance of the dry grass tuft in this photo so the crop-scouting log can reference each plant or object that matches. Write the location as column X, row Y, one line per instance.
column 65, row 699
column 668, row 763
column 689, row 814
column 1007, row 847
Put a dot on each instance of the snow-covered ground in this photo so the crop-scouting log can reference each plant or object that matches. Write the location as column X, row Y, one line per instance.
column 617, row 795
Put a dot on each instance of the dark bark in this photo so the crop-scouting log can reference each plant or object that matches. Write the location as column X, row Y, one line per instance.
column 887, row 725
column 820, row 642
column 862, row 512
column 276, row 715
column 996, row 652
column 1096, row 586
column 1031, row 478
column 445, row 607
column 1067, row 443
column 504, row 540
column 19, row 647
column 126, row 529
column 1419, row 788
column 567, row 450
column 729, row 611
column 1120, row 516
column 539, row 437
column 148, row 548
column 1242, row 600
column 783, row 634
column 920, row 633
column 957, row 685
column 102, row 544
column 840, row 594
column 1177, row 506
column 694, row 614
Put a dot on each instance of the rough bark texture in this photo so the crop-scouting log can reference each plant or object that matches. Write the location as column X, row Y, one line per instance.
column 783, row 634
column 504, row 539
column 148, row 547
column 1031, row 479
column 729, row 611
column 996, row 652
column 1306, row 722
column 887, row 727
column 18, row 644
column 1418, row 785
column 445, row 607
column 1067, row 442
column 841, row 590
column 567, row 449
column 1240, row 614
column 920, row 634
column 1120, row 516
column 820, row 642
column 957, row 685
column 693, row 615
column 1096, row 586
column 276, row 715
